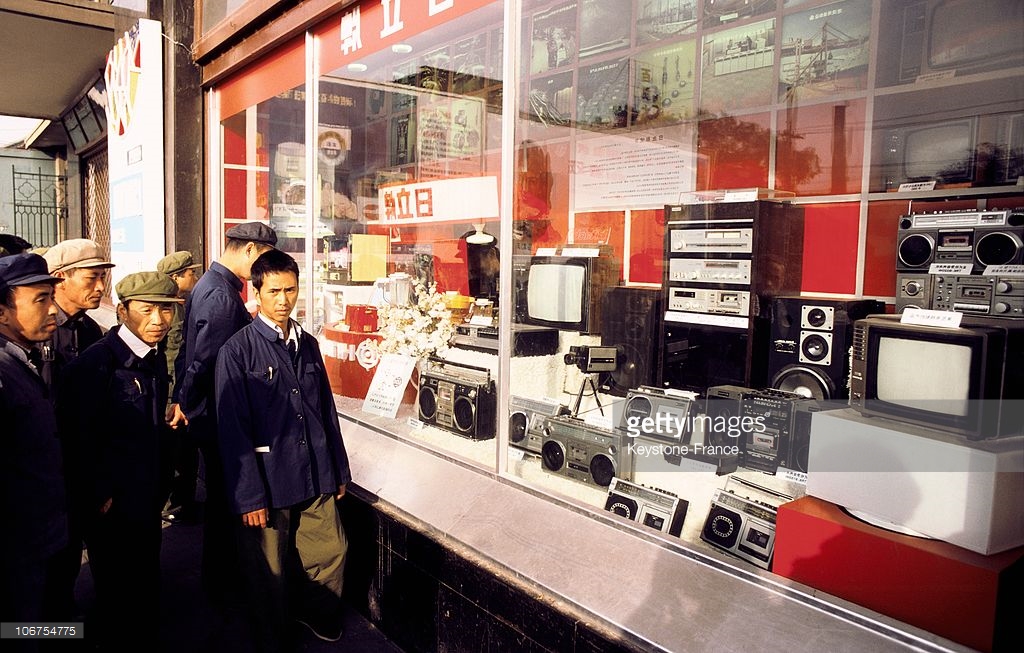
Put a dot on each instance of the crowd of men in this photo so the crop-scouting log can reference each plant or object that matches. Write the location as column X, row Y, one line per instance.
column 104, row 433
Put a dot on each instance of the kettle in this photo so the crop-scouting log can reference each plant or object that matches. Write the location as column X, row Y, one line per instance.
column 395, row 289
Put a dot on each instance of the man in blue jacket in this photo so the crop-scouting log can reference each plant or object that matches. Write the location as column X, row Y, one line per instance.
column 32, row 482
column 285, row 463
column 213, row 313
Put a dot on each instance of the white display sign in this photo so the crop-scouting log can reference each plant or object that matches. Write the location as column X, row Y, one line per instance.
column 926, row 317
column 950, row 268
column 388, row 385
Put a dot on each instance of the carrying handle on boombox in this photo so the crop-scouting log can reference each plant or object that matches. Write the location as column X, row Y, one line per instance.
column 444, row 363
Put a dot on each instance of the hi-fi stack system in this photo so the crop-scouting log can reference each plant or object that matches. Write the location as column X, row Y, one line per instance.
column 742, row 524
column 810, row 344
column 526, row 421
column 965, row 261
column 722, row 261
column 458, row 398
column 585, row 452
column 661, row 510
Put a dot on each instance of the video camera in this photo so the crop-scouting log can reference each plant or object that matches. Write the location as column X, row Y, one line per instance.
column 592, row 359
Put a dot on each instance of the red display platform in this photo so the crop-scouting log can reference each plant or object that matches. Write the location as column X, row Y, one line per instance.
column 351, row 362
column 947, row 590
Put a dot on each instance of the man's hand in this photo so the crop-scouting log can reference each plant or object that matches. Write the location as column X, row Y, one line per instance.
column 256, row 518
column 341, row 492
column 175, row 416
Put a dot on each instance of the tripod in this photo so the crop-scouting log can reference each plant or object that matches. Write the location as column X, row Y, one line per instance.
column 588, row 379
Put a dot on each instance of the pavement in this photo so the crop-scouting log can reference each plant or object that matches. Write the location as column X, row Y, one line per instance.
column 189, row 623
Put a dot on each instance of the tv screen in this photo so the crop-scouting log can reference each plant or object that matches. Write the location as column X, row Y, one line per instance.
column 942, row 151
column 556, row 292
column 924, row 375
column 972, row 31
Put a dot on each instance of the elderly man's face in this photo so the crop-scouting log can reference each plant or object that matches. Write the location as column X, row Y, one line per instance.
column 31, row 315
column 82, row 289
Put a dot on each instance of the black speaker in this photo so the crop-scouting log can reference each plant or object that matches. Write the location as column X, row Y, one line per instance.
column 810, row 341
column 631, row 319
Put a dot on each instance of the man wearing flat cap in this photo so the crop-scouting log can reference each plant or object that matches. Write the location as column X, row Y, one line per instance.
column 31, row 477
column 182, row 506
column 112, row 412
column 213, row 313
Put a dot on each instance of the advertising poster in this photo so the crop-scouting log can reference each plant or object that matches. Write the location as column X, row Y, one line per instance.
column 664, row 83
column 664, row 20
column 825, row 50
column 135, row 147
column 604, row 26
column 549, row 105
column 602, row 101
column 737, row 67
column 722, row 12
column 553, row 41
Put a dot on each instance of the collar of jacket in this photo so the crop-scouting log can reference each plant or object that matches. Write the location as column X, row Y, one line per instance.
column 124, row 354
column 271, row 334
column 228, row 275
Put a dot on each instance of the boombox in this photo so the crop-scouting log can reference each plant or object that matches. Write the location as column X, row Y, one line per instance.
column 773, row 439
column 743, row 526
column 585, row 452
column 526, row 421
column 970, row 240
column 663, row 511
column 810, row 343
column 458, row 398
column 660, row 414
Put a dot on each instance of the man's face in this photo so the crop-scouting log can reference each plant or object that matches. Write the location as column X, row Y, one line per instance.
column 252, row 252
column 32, row 317
column 82, row 289
column 147, row 320
column 186, row 280
column 277, row 297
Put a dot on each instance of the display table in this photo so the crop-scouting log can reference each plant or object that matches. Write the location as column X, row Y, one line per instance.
column 351, row 359
column 942, row 588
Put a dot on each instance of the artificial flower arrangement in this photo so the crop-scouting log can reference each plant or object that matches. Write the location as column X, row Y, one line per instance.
column 420, row 329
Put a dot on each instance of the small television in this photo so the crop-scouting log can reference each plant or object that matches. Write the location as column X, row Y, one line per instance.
column 957, row 36
column 564, row 292
column 940, row 151
column 967, row 380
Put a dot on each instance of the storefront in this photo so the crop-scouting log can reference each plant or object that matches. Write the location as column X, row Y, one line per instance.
column 623, row 207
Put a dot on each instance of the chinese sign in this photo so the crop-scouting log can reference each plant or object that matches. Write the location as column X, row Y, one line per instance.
column 460, row 199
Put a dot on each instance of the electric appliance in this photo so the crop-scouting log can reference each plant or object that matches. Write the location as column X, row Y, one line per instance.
column 458, row 398
column 967, row 380
column 526, row 421
column 631, row 322
column 658, row 414
column 585, row 452
column 661, row 510
column 810, row 343
column 742, row 521
column 964, row 242
column 564, row 292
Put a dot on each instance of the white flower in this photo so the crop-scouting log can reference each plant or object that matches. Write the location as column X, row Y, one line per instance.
column 419, row 330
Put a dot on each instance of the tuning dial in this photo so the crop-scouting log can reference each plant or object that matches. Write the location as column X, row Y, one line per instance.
column 912, row 288
column 1001, row 307
column 1003, row 287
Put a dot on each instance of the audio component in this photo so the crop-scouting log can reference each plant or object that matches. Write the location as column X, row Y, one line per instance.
column 661, row 510
column 658, row 414
column 631, row 322
column 526, row 421
column 585, row 452
column 810, row 343
column 458, row 398
column 724, row 405
column 974, row 240
column 723, row 260
column 768, row 440
column 913, row 289
column 979, row 295
column 741, row 525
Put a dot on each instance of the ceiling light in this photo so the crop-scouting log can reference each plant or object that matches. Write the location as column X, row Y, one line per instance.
column 356, row 67
column 401, row 48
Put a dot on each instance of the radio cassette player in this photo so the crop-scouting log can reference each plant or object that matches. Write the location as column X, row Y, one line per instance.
column 775, row 440
column 702, row 300
column 458, row 398
column 970, row 241
column 660, row 414
column 526, row 421
column 979, row 295
column 661, row 510
column 585, row 452
column 741, row 525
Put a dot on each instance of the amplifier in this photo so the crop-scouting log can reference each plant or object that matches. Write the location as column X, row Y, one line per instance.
column 526, row 421
column 714, row 240
column 661, row 510
column 658, row 414
column 742, row 525
column 585, row 452
column 701, row 270
column 768, row 441
column 458, row 398
column 973, row 240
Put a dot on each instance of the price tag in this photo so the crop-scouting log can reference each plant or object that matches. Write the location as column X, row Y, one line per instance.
column 918, row 185
column 516, row 454
column 589, row 252
column 547, row 251
column 1008, row 270
column 925, row 317
column 950, row 268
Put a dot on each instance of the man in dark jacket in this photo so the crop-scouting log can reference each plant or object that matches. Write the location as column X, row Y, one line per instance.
column 31, row 477
column 285, row 464
column 113, row 403
column 213, row 313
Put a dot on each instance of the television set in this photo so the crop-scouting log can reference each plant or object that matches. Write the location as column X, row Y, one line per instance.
column 967, row 380
column 564, row 292
column 940, row 151
column 945, row 37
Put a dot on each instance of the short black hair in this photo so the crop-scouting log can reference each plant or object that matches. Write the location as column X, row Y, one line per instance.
column 14, row 244
column 272, row 261
column 234, row 243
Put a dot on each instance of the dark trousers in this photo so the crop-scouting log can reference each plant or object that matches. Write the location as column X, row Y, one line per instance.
column 23, row 582
column 220, row 572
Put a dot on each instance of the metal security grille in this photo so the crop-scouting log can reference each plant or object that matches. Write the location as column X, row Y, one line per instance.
column 96, row 202
column 40, row 205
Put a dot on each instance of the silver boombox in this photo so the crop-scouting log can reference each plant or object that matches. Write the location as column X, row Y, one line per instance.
column 526, row 421
column 658, row 413
column 661, row 510
column 585, row 452
column 741, row 525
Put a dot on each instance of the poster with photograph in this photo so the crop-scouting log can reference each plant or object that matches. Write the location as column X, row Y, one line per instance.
column 664, row 80
column 553, row 40
column 604, row 26
column 468, row 63
column 825, row 50
column 721, row 12
column 400, row 138
column 602, row 101
column 435, row 71
column 665, row 19
column 549, row 104
column 736, row 69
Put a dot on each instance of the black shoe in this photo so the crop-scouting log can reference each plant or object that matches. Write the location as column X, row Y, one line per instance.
column 327, row 629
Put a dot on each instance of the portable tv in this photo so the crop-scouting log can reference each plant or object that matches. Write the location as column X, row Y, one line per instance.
column 942, row 151
column 967, row 380
column 564, row 292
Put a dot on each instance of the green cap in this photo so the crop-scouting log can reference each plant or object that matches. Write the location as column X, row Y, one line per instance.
column 154, row 287
column 176, row 262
